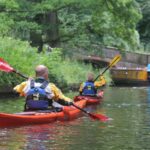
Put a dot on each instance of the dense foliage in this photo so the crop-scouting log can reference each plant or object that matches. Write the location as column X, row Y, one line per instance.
column 72, row 23
column 104, row 22
column 144, row 24
column 22, row 57
column 75, row 26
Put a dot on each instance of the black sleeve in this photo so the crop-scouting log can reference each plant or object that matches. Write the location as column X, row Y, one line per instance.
column 15, row 93
column 63, row 102
column 80, row 93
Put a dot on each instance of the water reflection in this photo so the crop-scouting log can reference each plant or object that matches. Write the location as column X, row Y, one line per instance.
column 39, row 137
column 148, row 96
column 144, row 132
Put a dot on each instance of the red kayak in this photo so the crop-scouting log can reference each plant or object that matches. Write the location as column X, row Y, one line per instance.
column 90, row 99
column 27, row 118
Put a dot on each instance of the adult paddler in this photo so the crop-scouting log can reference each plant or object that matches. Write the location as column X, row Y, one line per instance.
column 40, row 94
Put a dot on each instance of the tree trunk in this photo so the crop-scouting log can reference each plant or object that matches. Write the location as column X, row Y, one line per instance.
column 52, row 32
column 49, row 22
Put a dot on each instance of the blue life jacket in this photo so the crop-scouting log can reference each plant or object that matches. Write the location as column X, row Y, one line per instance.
column 36, row 97
column 89, row 88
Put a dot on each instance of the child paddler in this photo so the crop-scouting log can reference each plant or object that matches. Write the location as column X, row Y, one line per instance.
column 90, row 86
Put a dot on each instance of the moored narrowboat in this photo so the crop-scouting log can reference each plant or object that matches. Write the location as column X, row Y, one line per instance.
column 130, row 76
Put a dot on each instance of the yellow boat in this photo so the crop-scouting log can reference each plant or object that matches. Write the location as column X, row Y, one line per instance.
column 130, row 76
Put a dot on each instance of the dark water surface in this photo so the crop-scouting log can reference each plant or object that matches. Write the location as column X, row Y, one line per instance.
column 129, row 129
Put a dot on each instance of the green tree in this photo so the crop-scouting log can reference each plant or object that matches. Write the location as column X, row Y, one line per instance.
column 72, row 23
column 144, row 24
column 115, row 22
column 101, row 22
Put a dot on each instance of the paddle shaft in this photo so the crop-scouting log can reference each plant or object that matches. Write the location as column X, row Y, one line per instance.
column 81, row 109
column 100, row 117
column 117, row 58
column 20, row 74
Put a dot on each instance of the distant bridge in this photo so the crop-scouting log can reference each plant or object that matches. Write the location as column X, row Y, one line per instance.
column 129, row 59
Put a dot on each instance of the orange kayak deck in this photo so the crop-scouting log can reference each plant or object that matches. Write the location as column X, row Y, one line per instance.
column 28, row 118
column 90, row 99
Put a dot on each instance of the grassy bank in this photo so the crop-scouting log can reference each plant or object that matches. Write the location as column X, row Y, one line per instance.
column 22, row 57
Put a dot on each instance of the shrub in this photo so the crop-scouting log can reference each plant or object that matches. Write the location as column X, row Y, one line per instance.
column 22, row 57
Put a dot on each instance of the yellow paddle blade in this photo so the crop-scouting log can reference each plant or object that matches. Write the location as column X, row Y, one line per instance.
column 112, row 63
column 115, row 60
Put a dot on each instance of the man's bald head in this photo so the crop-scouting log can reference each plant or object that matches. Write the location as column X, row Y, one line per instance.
column 41, row 71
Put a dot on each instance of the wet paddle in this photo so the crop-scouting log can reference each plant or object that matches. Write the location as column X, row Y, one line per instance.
column 4, row 66
column 112, row 63
column 99, row 117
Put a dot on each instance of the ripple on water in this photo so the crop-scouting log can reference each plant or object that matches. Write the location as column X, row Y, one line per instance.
column 129, row 129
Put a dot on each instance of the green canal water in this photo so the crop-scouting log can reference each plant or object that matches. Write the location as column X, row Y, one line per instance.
column 129, row 130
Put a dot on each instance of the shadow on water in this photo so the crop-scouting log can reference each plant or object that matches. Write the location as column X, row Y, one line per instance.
column 129, row 129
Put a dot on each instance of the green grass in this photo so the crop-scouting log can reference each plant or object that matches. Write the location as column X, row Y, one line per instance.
column 22, row 57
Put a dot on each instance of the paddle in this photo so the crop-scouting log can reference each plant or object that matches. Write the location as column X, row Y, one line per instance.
column 99, row 117
column 4, row 66
column 112, row 63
